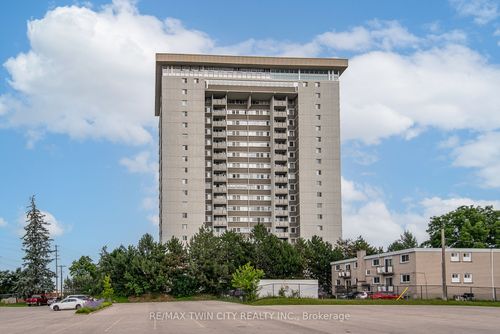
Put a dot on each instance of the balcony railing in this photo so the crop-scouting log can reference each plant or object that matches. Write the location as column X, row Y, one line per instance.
column 280, row 179
column 220, row 212
column 282, row 234
column 282, row 201
column 220, row 178
column 219, row 102
column 280, row 103
column 279, row 113
column 219, row 189
column 345, row 274
column 279, row 168
column 278, row 190
column 219, row 156
column 385, row 288
column 222, row 144
column 280, row 146
column 281, row 212
column 219, row 222
column 219, row 112
column 385, row 270
column 279, row 124
column 280, row 157
column 219, row 134
column 219, row 124
column 280, row 135
column 219, row 167
column 220, row 200
column 281, row 223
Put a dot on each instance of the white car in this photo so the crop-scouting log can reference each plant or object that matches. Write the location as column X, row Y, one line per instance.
column 68, row 304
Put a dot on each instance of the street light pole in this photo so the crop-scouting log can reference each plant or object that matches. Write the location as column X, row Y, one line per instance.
column 443, row 264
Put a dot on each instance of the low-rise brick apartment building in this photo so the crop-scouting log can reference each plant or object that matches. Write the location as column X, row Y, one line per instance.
column 467, row 271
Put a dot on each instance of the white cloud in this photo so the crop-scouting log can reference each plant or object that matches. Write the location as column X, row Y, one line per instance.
column 149, row 203
column 387, row 94
column 483, row 11
column 366, row 213
column 140, row 163
column 55, row 227
column 88, row 73
column 3, row 222
column 482, row 153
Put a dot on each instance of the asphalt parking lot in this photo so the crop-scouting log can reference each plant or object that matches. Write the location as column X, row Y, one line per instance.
column 221, row 318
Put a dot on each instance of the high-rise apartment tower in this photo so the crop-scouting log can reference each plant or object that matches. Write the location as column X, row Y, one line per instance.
column 247, row 141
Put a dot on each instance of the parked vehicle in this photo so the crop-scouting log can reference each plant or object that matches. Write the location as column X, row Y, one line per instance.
column 36, row 300
column 362, row 295
column 384, row 295
column 68, row 304
column 53, row 300
column 466, row 296
column 82, row 297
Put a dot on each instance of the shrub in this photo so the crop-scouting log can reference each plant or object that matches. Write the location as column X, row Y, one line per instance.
column 247, row 278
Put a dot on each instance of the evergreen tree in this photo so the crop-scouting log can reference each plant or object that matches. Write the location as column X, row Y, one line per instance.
column 406, row 240
column 37, row 277
column 319, row 254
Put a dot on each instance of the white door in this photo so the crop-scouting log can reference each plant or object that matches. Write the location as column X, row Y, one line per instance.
column 69, row 304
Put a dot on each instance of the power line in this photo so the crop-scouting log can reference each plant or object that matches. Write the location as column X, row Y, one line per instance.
column 56, row 258
column 61, row 271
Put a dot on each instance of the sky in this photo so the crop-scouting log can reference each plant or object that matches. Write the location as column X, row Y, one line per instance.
column 420, row 107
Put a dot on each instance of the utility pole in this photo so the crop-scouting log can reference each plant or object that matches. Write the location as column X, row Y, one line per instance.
column 61, row 271
column 443, row 264
column 56, row 258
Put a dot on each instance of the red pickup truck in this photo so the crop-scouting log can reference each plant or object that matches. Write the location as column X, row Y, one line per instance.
column 37, row 300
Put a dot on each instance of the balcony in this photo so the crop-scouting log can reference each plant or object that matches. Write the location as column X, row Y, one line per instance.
column 219, row 178
column 280, row 179
column 280, row 157
column 280, row 125
column 219, row 156
column 219, row 124
column 282, row 234
column 278, row 113
column 280, row 103
column 219, row 189
column 219, row 134
column 280, row 135
column 281, row 212
column 219, row 200
column 345, row 274
column 386, row 288
column 219, row 167
column 220, row 144
column 387, row 270
column 283, row 223
column 280, row 147
column 219, row 102
column 278, row 190
column 219, row 222
column 281, row 201
column 280, row 168
column 219, row 112
column 219, row 212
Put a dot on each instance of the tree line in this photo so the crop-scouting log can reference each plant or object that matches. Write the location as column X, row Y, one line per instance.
column 206, row 264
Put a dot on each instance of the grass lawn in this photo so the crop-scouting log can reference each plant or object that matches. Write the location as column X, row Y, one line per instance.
column 311, row 301
column 13, row 305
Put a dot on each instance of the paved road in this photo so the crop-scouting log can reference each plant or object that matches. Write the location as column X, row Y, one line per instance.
column 221, row 318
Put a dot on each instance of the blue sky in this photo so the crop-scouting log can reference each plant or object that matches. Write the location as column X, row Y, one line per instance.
column 420, row 107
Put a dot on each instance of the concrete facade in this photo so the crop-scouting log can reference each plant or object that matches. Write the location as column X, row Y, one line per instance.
column 419, row 269
column 249, row 140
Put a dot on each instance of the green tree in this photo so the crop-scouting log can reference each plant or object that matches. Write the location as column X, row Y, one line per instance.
column 205, row 261
column 146, row 272
column 115, row 264
column 181, row 279
column 319, row 254
column 84, row 276
column 467, row 227
column 348, row 248
column 9, row 280
column 107, row 289
column 406, row 240
column 247, row 278
column 36, row 277
column 277, row 258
